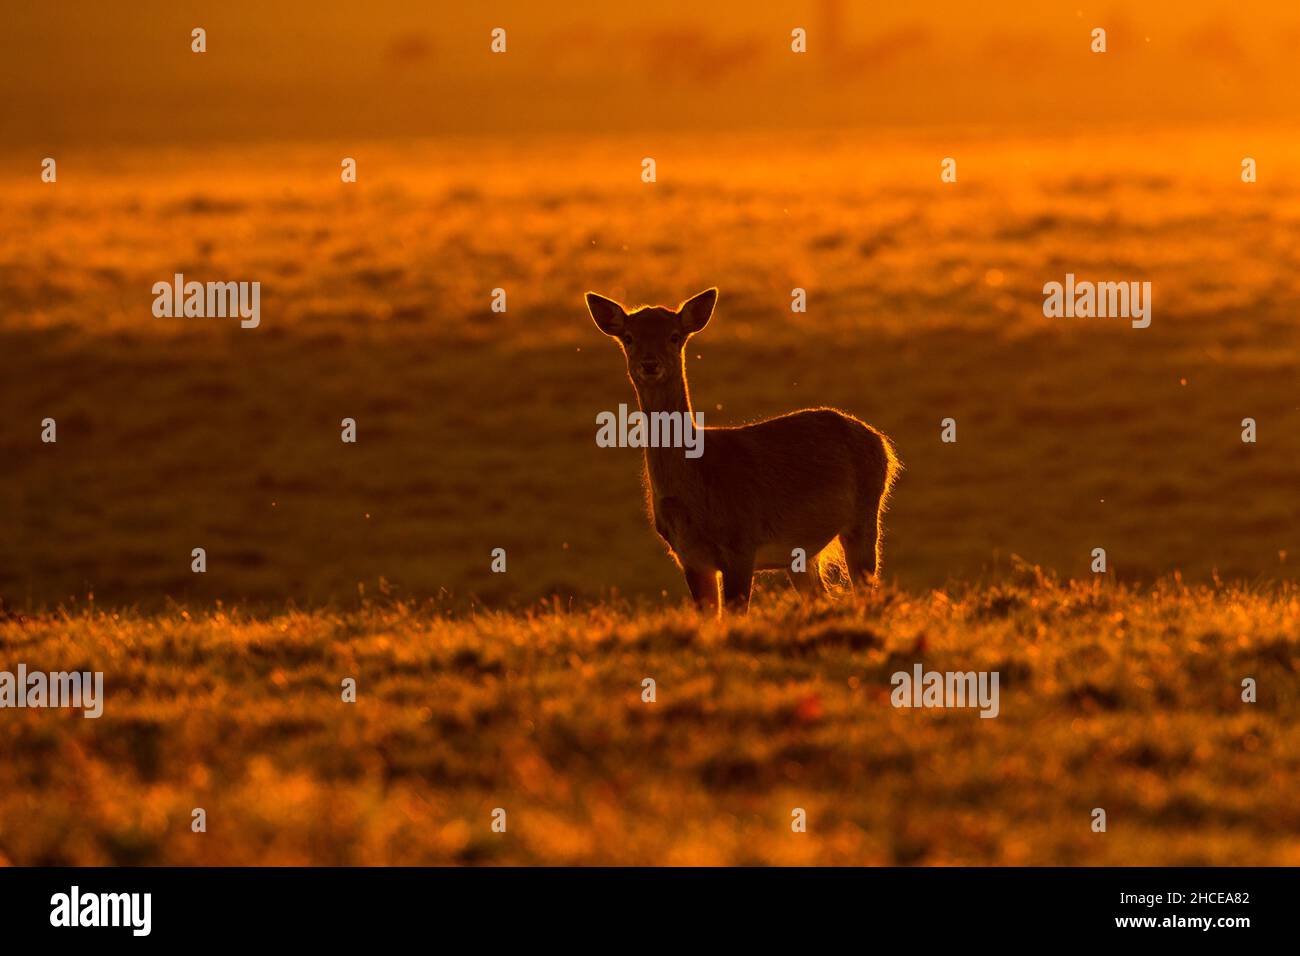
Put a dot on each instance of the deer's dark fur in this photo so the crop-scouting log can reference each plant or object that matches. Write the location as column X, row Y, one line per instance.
column 758, row 491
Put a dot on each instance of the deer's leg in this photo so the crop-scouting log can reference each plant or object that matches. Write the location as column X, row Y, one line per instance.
column 737, row 581
column 862, row 552
column 808, row 583
column 704, row 588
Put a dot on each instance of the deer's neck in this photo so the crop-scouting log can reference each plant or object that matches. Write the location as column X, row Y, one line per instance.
column 670, row 470
column 665, row 396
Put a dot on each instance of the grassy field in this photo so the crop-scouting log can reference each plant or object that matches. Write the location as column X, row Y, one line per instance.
column 1122, row 699
column 476, row 430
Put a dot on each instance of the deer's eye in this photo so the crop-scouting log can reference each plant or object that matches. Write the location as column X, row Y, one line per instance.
column 675, row 339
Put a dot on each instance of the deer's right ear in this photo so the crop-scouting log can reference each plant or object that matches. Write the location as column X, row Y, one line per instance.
column 606, row 313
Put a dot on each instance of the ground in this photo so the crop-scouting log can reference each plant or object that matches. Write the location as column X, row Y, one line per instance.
column 476, row 430
column 1129, row 701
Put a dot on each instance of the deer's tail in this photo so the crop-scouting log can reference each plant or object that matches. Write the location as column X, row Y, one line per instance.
column 886, row 467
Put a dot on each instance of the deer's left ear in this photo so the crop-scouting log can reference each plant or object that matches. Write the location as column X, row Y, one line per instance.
column 696, row 311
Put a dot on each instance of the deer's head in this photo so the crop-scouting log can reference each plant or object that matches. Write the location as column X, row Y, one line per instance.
column 653, row 337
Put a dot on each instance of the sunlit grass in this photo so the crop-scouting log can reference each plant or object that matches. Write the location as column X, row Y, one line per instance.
column 1125, row 700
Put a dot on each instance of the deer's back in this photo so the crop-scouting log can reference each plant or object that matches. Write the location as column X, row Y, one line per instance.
column 801, row 445
column 792, row 481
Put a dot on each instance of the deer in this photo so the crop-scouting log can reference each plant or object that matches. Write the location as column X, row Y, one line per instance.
column 759, row 491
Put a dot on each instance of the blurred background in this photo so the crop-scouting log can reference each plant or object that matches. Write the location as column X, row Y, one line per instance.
column 80, row 71
column 522, row 171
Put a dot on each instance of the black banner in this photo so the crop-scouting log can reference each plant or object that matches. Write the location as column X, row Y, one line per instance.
column 328, row 906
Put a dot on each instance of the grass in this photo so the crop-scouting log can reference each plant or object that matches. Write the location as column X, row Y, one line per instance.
column 1115, row 697
column 476, row 430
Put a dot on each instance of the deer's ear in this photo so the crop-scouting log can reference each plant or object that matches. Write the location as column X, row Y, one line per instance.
column 606, row 313
column 697, row 310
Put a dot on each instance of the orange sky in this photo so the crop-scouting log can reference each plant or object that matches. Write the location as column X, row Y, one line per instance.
column 89, row 71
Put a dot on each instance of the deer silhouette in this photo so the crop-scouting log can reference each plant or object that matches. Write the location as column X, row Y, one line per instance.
column 758, row 491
